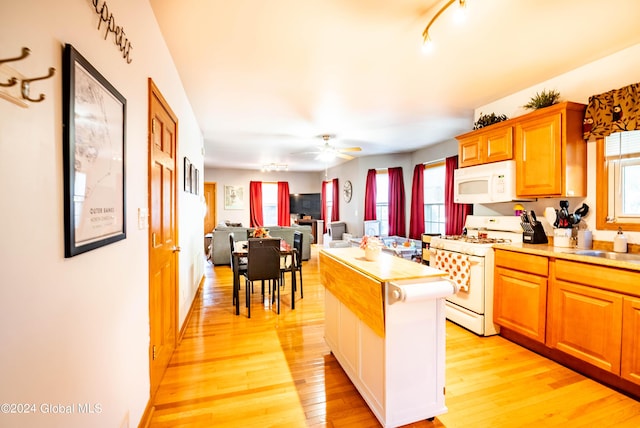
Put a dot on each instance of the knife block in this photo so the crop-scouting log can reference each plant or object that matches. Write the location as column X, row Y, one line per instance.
column 535, row 236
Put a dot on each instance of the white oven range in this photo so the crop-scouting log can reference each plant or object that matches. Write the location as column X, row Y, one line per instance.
column 469, row 260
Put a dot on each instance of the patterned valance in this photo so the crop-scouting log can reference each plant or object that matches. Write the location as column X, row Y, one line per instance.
column 613, row 111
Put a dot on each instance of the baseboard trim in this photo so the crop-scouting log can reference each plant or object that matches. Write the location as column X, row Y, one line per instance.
column 145, row 421
column 196, row 299
column 150, row 408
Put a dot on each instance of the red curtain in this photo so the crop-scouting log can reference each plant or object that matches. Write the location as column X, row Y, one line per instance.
column 255, row 204
column 370, row 196
column 323, row 206
column 416, row 223
column 335, row 208
column 455, row 214
column 284, row 215
column 397, row 220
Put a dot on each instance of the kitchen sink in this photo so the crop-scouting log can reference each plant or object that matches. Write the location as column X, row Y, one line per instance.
column 626, row 257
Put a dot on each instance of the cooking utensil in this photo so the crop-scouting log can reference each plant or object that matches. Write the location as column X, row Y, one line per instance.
column 534, row 219
column 551, row 214
column 563, row 215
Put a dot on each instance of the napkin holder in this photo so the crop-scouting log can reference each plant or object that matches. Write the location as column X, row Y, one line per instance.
column 533, row 233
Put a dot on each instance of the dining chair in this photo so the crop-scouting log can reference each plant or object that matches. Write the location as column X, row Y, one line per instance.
column 263, row 264
column 242, row 266
column 294, row 262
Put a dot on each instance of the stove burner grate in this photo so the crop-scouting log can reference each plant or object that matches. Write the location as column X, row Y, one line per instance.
column 477, row 240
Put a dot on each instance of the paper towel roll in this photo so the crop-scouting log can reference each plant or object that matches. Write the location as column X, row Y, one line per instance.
column 428, row 290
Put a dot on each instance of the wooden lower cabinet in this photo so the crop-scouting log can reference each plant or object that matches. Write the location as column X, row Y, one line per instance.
column 587, row 324
column 572, row 312
column 630, row 366
column 520, row 298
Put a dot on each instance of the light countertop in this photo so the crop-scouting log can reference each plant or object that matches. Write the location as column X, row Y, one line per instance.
column 386, row 268
column 567, row 254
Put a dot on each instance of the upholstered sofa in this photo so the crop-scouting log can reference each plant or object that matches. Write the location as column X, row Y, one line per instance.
column 220, row 253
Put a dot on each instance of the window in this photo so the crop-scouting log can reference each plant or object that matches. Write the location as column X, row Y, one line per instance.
column 328, row 206
column 270, row 204
column 434, row 178
column 618, row 181
column 382, row 201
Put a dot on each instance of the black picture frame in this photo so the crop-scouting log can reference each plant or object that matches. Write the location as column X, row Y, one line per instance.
column 187, row 175
column 94, row 142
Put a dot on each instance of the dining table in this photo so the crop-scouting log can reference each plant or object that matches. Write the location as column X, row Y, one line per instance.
column 241, row 250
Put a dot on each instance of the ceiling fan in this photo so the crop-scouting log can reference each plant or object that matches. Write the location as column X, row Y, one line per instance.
column 327, row 152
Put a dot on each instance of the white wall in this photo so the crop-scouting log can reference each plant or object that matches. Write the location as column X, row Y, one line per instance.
column 612, row 72
column 77, row 330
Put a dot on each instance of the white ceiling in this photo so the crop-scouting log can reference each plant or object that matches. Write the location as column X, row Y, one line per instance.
column 266, row 78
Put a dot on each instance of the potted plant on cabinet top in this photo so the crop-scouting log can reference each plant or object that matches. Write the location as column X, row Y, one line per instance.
column 543, row 99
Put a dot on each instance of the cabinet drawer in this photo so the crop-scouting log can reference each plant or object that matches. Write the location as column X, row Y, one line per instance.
column 606, row 278
column 538, row 265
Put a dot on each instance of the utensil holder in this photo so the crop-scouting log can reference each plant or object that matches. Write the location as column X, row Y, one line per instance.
column 534, row 234
column 563, row 237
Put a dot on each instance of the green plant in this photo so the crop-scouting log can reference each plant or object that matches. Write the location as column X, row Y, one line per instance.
column 488, row 119
column 543, row 99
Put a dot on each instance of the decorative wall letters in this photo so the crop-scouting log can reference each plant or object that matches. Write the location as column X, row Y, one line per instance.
column 119, row 37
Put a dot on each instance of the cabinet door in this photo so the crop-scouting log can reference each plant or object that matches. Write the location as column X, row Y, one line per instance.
column 499, row 144
column 520, row 302
column 630, row 366
column 538, row 156
column 470, row 152
column 587, row 323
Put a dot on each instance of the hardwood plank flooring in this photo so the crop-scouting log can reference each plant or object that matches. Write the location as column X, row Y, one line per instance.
column 276, row 371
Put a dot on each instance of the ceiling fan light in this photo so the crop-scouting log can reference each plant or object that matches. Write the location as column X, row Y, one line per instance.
column 326, row 156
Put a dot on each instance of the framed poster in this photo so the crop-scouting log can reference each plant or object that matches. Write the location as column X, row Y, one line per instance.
column 94, row 124
column 233, row 198
column 187, row 175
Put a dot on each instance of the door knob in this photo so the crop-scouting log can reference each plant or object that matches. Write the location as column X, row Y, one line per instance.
column 175, row 249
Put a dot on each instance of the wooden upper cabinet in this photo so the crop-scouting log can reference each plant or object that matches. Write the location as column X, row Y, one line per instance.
column 551, row 156
column 491, row 144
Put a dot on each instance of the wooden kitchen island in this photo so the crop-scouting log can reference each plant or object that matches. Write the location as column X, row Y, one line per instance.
column 385, row 324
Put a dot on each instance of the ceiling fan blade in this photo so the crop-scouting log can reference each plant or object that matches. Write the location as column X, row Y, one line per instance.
column 349, row 149
column 344, row 156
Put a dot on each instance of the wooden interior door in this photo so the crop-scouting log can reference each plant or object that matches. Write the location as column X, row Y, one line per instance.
column 163, row 235
column 210, row 200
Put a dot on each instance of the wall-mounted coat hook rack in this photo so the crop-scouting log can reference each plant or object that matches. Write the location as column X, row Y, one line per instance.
column 12, row 81
column 12, row 77
column 26, row 83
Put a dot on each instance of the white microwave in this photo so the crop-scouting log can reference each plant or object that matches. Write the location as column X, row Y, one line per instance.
column 487, row 183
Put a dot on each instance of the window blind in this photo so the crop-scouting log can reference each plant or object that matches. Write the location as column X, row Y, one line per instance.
column 622, row 145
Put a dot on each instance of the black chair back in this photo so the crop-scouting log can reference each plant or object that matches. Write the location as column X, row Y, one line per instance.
column 264, row 259
column 232, row 243
column 297, row 244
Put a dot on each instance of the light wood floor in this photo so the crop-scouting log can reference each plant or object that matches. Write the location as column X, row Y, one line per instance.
column 277, row 371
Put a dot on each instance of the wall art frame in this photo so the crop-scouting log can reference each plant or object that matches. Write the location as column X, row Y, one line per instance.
column 94, row 142
column 233, row 197
column 187, row 175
